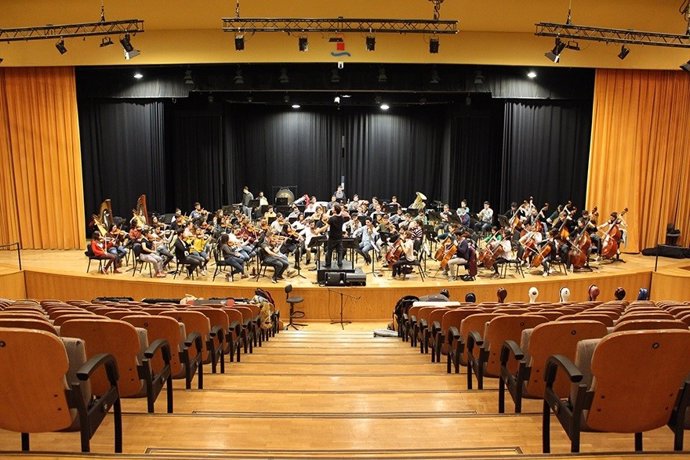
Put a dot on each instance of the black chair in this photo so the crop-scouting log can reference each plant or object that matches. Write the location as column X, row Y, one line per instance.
column 89, row 253
column 136, row 250
column 260, row 267
column 503, row 265
column 179, row 266
column 414, row 263
column 221, row 264
column 294, row 314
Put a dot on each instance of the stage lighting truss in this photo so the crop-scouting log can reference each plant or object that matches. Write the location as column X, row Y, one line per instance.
column 338, row 25
column 87, row 29
column 607, row 35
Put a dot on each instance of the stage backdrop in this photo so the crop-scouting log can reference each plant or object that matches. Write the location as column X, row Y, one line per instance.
column 182, row 150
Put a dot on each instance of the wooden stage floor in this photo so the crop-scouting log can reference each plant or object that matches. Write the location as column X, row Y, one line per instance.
column 329, row 393
column 62, row 275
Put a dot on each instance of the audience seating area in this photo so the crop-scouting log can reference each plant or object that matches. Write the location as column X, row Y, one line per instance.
column 588, row 361
column 86, row 355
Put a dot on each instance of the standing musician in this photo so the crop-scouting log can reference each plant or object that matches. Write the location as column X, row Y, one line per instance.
column 486, row 218
column 247, row 197
column 407, row 243
column 335, row 236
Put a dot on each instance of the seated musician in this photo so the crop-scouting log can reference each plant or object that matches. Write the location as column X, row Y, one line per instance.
column 377, row 212
column 408, row 254
column 183, row 255
column 353, row 205
column 333, row 201
column 198, row 248
column 528, row 243
column 463, row 213
column 273, row 258
column 394, row 206
column 504, row 251
column 149, row 254
column 99, row 249
column 462, row 255
column 397, row 217
column 241, row 246
column 340, row 195
column 417, row 232
column 445, row 220
column 270, row 213
column 231, row 256
column 116, row 239
column 486, row 218
column 294, row 212
column 278, row 224
column 421, row 218
column 367, row 237
column 178, row 212
column 198, row 214
column 558, row 250
column 162, row 245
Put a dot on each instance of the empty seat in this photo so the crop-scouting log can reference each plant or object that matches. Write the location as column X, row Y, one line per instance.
column 197, row 322
column 627, row 382
column 37, row 396
column 649, row 324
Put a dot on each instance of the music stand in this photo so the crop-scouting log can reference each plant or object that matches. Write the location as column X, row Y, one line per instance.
column 351, row 244
column 316, row 242
column 298, row 261
column 433, row 216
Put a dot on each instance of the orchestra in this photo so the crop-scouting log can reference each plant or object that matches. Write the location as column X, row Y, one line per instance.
column 380, row 228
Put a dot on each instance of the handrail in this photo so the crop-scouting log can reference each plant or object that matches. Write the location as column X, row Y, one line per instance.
column 19, row 251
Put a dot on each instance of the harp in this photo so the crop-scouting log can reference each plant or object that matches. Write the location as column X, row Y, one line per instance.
column 141, row 214
column 104, row 220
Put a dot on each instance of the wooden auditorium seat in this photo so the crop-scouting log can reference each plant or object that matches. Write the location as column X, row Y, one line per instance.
column 626, row 382
column 604, row 319
column 476, row 322
column 196, row 322
column 28, row 323
column 448, row 339
column 39, row 395
column 522, row 367
column 133, row 354
column 221, row 324
column 249, row 327
column 486, row 362
column 186, row 350
column 237, row 336
column 649, row 324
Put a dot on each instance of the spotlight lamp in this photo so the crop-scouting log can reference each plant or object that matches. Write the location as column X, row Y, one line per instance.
column 371, row 43
column 106, row 41
column 303, row 44
column 60, row 45
column 624, row 52
column 433, row 45
column 686, row 67
column 128, row 48
column 555, row 54
column 239, row 42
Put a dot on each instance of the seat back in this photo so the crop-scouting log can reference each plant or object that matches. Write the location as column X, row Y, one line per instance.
column 117, row 338
column 217, row 317
column 550, row 315
column 161, row 327
column 646, row 315
column 476, row 322
column 33, row 365
column 453, row 318
column 63, row 319
column 28, row 323
column 500, row 329
column 636, row 379
column 22, row 314
column 649, row 324
column 604, row 319
column 555, row 338
column 193, row 322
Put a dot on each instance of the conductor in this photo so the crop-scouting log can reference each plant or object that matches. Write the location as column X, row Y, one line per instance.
column 335, row 236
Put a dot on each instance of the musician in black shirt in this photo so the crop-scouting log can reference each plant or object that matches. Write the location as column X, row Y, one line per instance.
column 335, row 236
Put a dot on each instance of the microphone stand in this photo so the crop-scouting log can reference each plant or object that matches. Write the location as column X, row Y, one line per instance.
column 342, row 322
column 298, row 262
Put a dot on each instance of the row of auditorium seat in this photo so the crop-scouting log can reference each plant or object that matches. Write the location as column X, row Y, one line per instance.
column 586, row 360
column 98, row 352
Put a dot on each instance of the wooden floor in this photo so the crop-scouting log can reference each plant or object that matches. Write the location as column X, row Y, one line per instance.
column 324, row 392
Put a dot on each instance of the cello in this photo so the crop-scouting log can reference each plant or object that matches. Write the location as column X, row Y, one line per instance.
column 395, row 252
column 446, row 252
column 610, row 242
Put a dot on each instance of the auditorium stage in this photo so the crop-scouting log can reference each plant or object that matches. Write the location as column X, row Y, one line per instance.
column 62, row 275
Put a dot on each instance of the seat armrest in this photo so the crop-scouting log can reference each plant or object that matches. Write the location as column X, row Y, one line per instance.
column 473, row 338
column 511, row 348
column 93, row 364
column 195, row 339
column 161, row 345
column 555, row 362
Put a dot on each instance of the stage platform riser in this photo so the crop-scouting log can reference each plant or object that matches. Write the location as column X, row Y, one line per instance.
column 322, row 303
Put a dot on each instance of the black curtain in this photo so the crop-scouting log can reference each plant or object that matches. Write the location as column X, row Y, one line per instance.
column 545, row 152
column 196, row 158
column 123, row 154
column 475, row 159
column 396, row 153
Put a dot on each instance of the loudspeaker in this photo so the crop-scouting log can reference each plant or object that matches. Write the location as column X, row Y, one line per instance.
column 335, row 278
column 358, row 278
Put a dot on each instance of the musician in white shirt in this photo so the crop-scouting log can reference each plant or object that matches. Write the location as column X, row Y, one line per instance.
column 486, row 218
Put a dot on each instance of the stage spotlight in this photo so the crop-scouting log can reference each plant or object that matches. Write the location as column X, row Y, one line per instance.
column 555, row 54
column 532, row 74
column 624, row 52
column 296, row 106
column 336, row 100
column 686, row 67
column 1, row 59
column 188, row 79
column 61, row 46
column 303, row 44
column 371, row 43
column 106, row 41
column 138, row 75
column 385, row 107
column 128, row 48
column 478, row 78
column 283, row 79
column 433, row 45
column 239, row 42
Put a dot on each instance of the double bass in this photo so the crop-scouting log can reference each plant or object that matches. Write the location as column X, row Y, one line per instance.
column 581, row 244
column 610, row 242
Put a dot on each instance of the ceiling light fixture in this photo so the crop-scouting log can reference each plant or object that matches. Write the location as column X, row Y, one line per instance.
column 371, row 43
column 296, row 106
column 434, row 45
column 686, row 67
column 60, row 45
column 239, row 42
column 385, row 106
column 138, row 75
column 106, row 41
column 624, row 52
column 303, row 44
column 532, row 74
column 283, row 78
column 128, row 48
column 555, row 54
